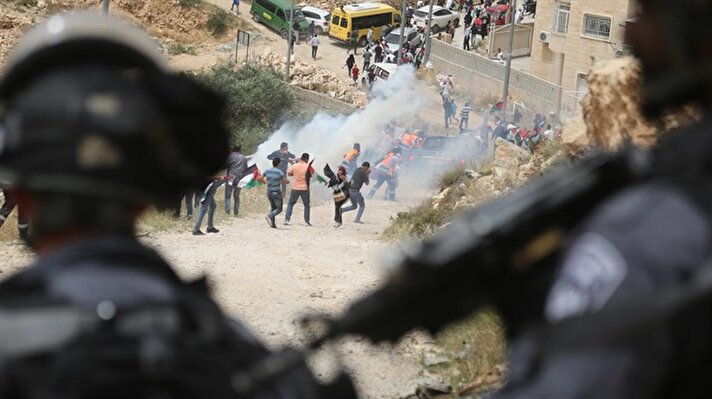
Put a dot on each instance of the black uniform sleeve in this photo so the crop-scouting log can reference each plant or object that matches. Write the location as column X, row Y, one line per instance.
column 635, row 245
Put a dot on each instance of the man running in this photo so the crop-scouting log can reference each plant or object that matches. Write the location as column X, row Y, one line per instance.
column 274, row 178
column 301, row 172
column 359, row 178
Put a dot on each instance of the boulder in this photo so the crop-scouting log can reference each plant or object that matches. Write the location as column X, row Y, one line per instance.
column 611, row 115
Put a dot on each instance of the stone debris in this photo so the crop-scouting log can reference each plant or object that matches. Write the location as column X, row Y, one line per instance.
column 312, row 77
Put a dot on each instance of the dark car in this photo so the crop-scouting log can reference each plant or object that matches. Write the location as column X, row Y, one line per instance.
column 442, row 151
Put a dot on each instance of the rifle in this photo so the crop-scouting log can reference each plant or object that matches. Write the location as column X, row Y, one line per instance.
column 503, row 254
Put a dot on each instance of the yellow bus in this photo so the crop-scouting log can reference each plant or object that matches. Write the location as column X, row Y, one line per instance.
column 361, row 17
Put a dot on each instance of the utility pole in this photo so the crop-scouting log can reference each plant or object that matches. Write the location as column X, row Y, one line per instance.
column 428, row 34
column 508, row 67
column 402, row 32
column 105, row 7
column 290, row 40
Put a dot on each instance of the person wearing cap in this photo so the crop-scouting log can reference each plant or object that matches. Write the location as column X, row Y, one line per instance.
column 302, row 172
column 96, row 130
column 286, row 158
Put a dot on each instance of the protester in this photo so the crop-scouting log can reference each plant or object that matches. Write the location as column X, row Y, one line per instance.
column 311, row 30
column 549, row 133
column 274, row 178
column 466, row 39
column 369, row 36
column 208, row 205
column 387, row 172
column 359, row 178
column 366, row 58
column 351, row 157
column 236, row 166
column 286, row 158
column 302, row 172
column 192, row 199
column 339, row 183
column 314, row 46
column 349, row 64
column 355, row 72
column 465, row 116
column 353, row 42
column 235, row 6
column 378, row 52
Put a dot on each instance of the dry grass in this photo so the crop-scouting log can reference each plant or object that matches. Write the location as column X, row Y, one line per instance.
column 476, row 348
column 251, row 201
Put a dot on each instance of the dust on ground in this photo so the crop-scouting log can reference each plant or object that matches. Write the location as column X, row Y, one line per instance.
column 269, row 278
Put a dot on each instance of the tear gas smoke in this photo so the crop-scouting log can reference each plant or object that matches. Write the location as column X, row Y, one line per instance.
column 327, row 138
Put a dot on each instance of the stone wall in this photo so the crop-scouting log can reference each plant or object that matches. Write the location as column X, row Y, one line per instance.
column 482, row 75
column 321, row 102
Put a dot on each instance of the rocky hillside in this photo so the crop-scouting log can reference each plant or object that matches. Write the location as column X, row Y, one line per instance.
column 313, row 77
column 169, row 21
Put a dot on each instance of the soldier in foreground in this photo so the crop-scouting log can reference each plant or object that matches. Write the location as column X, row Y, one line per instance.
column 97, row 130
column 636, row 246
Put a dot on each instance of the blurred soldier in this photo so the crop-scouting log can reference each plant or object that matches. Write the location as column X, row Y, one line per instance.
column 642, row 242
column 97, row 129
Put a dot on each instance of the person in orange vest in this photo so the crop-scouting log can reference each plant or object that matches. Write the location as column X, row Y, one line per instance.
column 387, row 171
column 351, row 157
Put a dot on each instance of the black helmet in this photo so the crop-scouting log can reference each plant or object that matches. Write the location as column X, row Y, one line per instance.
column 683, row 47
column 91, row 109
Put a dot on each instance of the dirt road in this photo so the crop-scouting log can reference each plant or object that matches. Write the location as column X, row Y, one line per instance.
column 269, row 278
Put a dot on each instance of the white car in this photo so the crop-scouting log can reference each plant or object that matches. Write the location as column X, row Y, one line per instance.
column 319, row 17
column 411, row 36
column 441, row 16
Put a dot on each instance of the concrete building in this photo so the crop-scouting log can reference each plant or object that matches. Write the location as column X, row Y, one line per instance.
column 571, row 35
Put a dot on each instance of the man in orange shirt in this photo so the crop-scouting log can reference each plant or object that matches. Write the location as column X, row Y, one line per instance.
column 301, row 172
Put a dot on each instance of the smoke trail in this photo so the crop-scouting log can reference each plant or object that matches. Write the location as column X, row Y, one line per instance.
column 327, row 138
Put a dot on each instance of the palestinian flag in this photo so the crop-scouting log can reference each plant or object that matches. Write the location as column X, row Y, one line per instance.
column 321, row 179
column 497, row 108
column 249, row 177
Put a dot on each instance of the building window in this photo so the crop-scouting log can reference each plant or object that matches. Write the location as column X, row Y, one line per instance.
column 595, row 26
column 561, row 19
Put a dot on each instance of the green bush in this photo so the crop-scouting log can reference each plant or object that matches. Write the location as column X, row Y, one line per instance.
column 257, row 99
column 179, row 48
column 218, row 22
column 189, row 3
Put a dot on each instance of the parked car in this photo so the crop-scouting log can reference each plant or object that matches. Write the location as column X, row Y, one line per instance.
column 441, row 16
column 320, row 18
column 411, row 36
column 275, row 14
column 442, row 151
column 380, row 70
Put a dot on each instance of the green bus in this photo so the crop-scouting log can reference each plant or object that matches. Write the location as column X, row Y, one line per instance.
column 275, row 14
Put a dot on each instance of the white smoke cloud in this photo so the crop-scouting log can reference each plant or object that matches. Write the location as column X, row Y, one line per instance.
column 327, row 138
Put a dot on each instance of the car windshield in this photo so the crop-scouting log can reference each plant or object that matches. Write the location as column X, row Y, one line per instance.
column 297, row 14
column 421, row 14
column 393, row 38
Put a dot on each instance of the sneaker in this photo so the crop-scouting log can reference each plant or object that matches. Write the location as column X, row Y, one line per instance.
column 286, row 222
column 308, row 224
column 198, row 233
column 269, row 221
column 212, row 230
column 190, row 216
column 358, row 221
column 337, row 224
